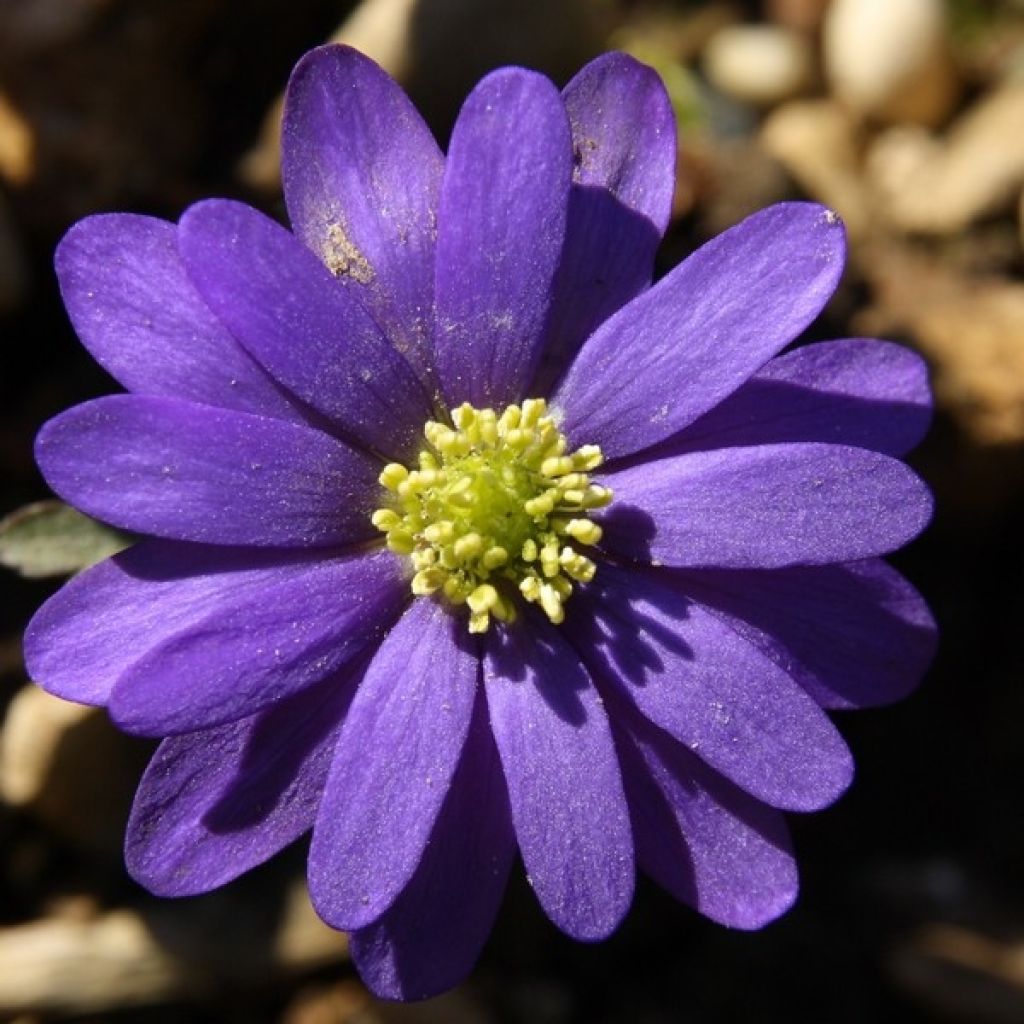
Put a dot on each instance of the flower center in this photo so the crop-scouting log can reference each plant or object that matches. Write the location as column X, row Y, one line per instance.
column 495, row 506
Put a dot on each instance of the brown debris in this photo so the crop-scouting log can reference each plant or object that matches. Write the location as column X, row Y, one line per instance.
column 964, row 973
column 69, row 767
column 970, row 328
column 17, row 145
column 890, row 60
column 939, row 186
column 160, row 952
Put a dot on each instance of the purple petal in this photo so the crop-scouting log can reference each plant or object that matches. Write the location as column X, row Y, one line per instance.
column 679, row 349
column 870, row 394
column 853, row 636
column 216, row 803
column 192, row 472
column 709, row 688
column 706, row 842
column 563, row 777
column 624, row 135
column 394, row 763
column 361, row 178
column 137, row 312
column 431, row 936
column 309, row 334
column 260, row 646
column 765, row 507
column 501, row 226
column 624, row 144
column 100, row 623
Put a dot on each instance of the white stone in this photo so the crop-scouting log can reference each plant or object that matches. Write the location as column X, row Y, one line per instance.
column 158, row 953
column 33, row 729
column 943, row 185
column 759, row 64
column 889, row 59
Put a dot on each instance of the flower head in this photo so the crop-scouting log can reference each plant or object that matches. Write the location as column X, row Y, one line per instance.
column 461, row 540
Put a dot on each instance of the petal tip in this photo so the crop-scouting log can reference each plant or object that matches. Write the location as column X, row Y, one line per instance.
column 755, row 914
column 329, row 55
column 827, row 790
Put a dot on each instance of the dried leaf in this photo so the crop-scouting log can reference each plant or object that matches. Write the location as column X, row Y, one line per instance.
column 49, row 538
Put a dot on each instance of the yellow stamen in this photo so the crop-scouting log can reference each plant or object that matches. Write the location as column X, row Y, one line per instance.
column 492, row 507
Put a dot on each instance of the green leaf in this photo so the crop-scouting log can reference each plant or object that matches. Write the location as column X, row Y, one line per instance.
column 49, row 538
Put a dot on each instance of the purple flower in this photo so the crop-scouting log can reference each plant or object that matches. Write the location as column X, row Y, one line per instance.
column 390, row 594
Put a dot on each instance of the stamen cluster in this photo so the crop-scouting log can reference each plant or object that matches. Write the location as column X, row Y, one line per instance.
column 495, row 503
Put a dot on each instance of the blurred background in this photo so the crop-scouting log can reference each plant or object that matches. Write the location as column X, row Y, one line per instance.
column 906, row 116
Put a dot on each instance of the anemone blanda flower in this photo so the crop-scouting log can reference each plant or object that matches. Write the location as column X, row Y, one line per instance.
column 462, row 540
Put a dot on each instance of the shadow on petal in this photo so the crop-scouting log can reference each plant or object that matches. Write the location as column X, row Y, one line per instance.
column 607, row 260
column 780, row 412
column 617, row 632
column 518, row 659
column 278, row 748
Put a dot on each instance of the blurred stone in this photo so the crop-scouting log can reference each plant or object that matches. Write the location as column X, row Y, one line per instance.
column 84, row 966
column 69, row 767
column 160, row 952
column 759, row 64
column 17, row 145
column 890, row 60
column 817, row 141
column 971, row 330
column 32, row 731
column 381, row 29
column 963, row 973
column 934, row 186
column 678, row 32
